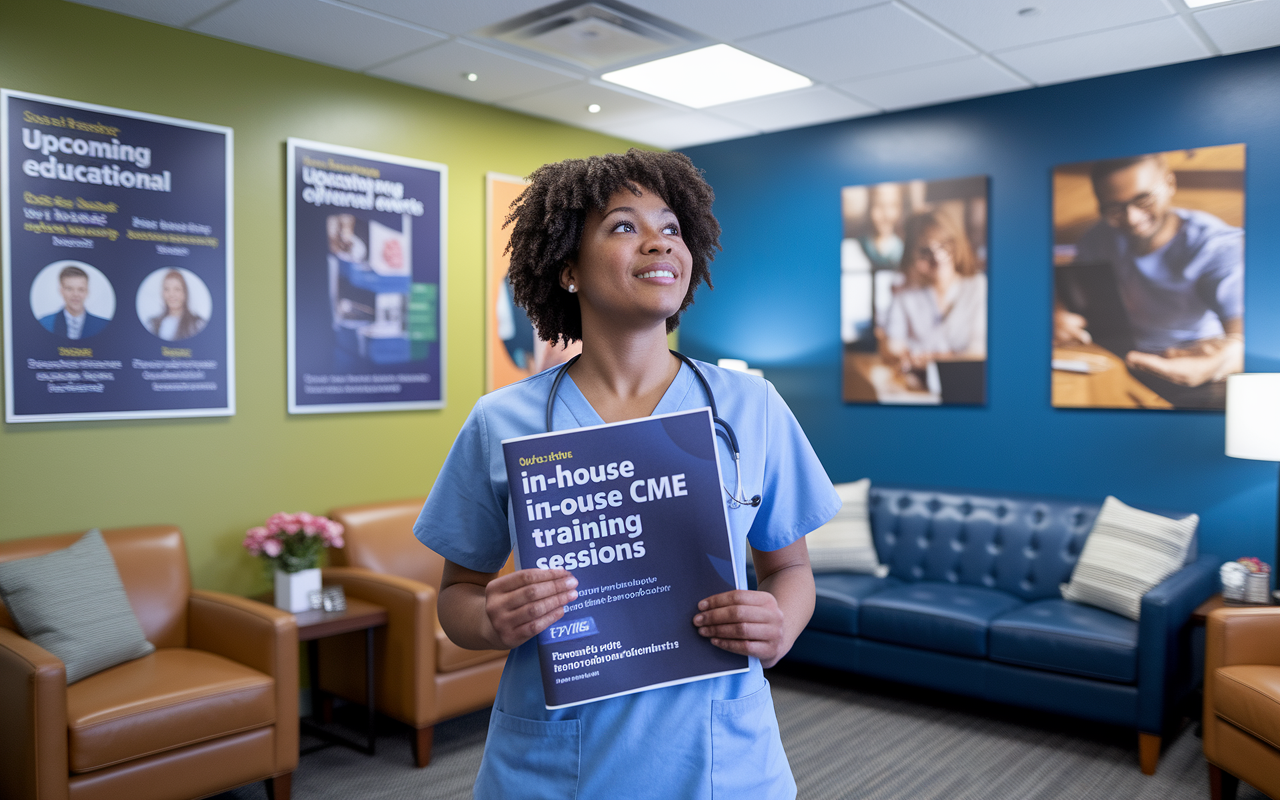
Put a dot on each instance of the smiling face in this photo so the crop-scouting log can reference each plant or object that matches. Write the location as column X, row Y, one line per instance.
column 934, row 262
column 632, row 267
column 175, row 295
column 74, row 290
column 1136, row 201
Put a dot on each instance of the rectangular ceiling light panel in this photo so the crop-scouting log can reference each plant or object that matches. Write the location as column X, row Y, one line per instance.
column 708, row 77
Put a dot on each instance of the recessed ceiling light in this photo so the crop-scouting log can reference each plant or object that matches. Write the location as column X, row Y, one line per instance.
column 1201, row 3
column 471, row 76
column 594, row 108
column 708, row 77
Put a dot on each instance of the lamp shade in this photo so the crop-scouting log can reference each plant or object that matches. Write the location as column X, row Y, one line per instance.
column 1253, row 416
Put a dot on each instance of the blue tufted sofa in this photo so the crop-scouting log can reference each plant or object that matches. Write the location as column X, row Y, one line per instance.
column 971, row 605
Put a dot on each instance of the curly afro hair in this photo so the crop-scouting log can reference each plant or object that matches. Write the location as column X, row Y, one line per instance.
column 550, row 214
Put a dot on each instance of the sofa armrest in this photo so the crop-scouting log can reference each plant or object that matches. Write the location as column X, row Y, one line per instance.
column 408, row 664
column 1242, row 636
column 258, row 636
column 1164, row 664
column 33, row 705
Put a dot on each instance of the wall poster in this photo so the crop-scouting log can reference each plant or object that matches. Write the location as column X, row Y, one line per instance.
column 513, row 350
column 913, row 292
column 1148, row 264
column 117, row 263
column 366, row 280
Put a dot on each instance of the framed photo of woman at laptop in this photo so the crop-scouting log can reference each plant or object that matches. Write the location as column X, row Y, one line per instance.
column 1148, row 264
column 913, row 292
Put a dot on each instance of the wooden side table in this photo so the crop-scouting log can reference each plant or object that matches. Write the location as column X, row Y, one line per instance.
column 316, row 625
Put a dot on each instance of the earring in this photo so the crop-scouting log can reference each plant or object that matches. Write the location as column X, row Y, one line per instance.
column 572, row 288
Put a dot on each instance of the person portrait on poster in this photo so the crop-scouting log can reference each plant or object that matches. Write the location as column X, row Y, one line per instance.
column 73, row 320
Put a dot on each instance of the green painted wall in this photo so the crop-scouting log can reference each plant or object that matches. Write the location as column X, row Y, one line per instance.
column 217, row 477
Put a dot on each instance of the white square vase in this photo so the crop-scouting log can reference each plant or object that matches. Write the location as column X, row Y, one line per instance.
column 293, row 589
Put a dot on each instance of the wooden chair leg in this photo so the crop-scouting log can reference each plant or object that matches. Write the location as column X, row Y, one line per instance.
column 1222, row 785
column 1148, row 752
column 422, row 745
column 278, row 788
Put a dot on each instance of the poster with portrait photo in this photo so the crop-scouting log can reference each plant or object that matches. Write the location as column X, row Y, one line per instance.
column 100, row 205
column 913, row 292
column 513, row 349
column 366, row 280
column 1148, row 267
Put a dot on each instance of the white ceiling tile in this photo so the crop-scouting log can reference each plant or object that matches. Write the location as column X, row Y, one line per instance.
column 443, row 68
column 996, row 24
column 878, row 39
column 568, row 104
column 167, row 12
column 679, row 129
column 812, row 106
column 728, row 22
column 1148, row 44
column 316, row 31
column 1243, row 26
column 453, row 16
column 936, row 83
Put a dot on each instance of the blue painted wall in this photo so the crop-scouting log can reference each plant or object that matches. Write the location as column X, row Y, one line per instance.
column 776, row 301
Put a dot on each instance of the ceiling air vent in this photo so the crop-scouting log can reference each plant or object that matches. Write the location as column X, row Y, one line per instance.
column 593, row 35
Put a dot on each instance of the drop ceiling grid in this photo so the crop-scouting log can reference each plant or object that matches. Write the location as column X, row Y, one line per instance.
column 864, row 56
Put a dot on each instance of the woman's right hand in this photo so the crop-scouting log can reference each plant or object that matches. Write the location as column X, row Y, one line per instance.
column 523, row 604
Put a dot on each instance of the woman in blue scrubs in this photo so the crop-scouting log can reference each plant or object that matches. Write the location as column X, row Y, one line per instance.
column 609, row 250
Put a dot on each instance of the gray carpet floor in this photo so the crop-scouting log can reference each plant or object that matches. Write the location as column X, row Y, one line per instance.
column 846, row 737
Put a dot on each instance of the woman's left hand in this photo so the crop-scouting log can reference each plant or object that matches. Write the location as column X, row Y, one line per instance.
column 745, row 622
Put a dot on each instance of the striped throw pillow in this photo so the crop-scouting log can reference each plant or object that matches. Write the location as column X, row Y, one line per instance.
column 72, row 603
column 844, row 544
column 1126, row 555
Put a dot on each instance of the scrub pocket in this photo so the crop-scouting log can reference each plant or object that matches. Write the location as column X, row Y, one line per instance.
column 527, row 759
column 747, row 759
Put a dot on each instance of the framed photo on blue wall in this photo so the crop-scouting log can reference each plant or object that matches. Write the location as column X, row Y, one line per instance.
column 1148, row 264
column 913, row 292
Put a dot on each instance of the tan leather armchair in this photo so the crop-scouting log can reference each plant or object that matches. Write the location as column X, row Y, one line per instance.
column 423, row 677
column 1242, row 700
column 213, row 708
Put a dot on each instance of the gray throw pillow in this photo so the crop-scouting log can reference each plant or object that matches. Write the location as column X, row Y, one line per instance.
column 1128, row 553
column 72, row 603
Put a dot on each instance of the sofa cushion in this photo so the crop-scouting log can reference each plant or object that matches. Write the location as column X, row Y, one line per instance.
column 169, row 699
column 839, row 595
column 451, row 657
column 935, row 616
column 1067, row 637
column 1248, row 696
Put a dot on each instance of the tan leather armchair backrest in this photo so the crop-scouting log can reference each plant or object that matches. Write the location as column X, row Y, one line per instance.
column 379, row 537
column 152, row 561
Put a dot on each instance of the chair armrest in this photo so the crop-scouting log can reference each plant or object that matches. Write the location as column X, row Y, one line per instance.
column 258, row 636
column 1242, row 636
column 33, row 705
column 408, row 663
column 1164, row 663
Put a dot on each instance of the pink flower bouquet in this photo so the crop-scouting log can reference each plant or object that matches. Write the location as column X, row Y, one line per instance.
column 293, row 542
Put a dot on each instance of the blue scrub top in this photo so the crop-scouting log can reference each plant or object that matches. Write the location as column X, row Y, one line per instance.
column 711, row 738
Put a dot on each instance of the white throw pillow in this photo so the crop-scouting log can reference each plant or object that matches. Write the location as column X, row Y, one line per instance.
column 844, row 544
column 1126, row 555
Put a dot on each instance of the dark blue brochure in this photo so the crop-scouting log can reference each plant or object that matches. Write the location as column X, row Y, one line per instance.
column 635, row 511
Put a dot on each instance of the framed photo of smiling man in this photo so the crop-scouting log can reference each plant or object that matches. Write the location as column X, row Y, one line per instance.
column 1149, row 279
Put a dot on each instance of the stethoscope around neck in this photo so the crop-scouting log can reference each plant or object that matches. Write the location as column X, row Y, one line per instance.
column 724, row 431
